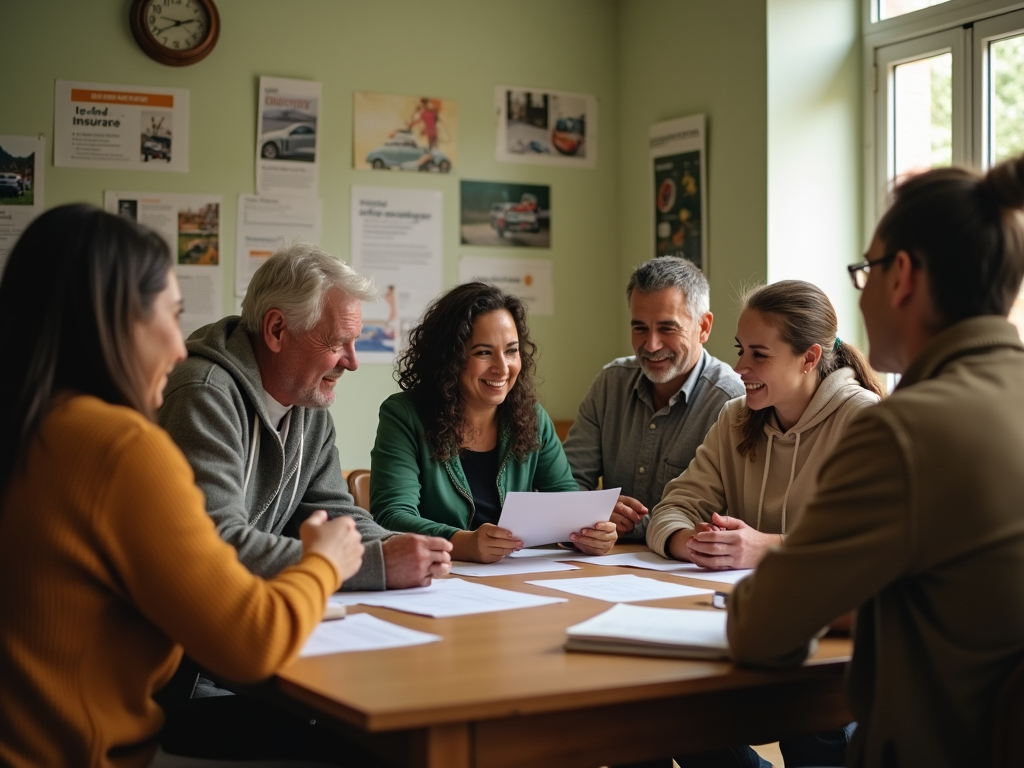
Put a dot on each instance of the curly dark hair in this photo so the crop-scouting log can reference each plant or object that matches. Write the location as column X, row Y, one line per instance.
column 430, row 367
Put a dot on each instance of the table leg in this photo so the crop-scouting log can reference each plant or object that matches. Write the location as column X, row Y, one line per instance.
column 444, row 746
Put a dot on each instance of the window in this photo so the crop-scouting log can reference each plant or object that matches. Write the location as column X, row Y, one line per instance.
column 950, row 96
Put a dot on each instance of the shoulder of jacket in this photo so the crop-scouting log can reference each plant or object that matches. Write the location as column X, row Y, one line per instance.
column 723, row 377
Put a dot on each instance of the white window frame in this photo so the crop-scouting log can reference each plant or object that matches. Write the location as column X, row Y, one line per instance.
column 909, row 36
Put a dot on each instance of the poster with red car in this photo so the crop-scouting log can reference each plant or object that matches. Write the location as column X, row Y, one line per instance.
column 544, row 127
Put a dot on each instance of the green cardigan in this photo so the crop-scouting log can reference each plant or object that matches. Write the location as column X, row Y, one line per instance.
column 413, row 491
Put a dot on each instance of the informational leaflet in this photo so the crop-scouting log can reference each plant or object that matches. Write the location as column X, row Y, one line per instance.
column 396, row 240
column 264, row 223
column 21, row 187
column 127, row 127
column 655, row 562
column 545, row 518
column 510, row 567
column 362, row 632
column 620, row 589
column 287, row 161
column 190, row 224
column 679, row 183
column 529, row 279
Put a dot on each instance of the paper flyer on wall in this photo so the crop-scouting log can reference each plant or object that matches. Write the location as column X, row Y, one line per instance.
column 679, row 182
column 544, row 127
column 529, row 279
column 127, row 127
column 264, row 223
column 190, row 224
column 287, row 161
column 396, row 240
column 21, row 187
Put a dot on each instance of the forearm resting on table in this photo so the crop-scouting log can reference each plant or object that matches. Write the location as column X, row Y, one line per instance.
column 676, row 547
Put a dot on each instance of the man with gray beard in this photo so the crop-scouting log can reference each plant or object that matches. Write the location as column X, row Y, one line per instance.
column 641, row 422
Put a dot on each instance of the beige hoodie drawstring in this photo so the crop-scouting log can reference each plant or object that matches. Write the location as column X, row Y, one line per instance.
column 764, row 480
column 792, row 474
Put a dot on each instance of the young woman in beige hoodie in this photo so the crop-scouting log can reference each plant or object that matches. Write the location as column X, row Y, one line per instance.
column 759, row 463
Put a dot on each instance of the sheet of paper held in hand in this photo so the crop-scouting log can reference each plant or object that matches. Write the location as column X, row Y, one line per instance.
column 653, row 631
column 444, row 598
column 621, row 589
column 361, row 632
column 545, row 518
column 654, row 562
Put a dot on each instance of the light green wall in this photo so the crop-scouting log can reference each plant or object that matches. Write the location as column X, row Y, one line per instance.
column 645, row 60
column 457, row 49
column 685, row 57
column 814, row 135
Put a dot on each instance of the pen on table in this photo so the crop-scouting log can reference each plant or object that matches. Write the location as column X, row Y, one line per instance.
column 719, row 599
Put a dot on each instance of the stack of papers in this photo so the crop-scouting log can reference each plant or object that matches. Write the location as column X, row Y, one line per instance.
column 621, row 589
column 645, row 631
column 445, row 598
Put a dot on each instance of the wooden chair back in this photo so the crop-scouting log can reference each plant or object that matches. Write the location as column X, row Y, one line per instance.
column 359, row 487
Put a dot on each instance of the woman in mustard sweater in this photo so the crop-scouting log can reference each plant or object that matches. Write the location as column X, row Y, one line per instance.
column 106, row 553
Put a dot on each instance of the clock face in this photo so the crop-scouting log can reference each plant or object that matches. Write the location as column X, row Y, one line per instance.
column 177, row 25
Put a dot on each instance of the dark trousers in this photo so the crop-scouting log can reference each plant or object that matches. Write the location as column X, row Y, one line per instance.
column 245, row 728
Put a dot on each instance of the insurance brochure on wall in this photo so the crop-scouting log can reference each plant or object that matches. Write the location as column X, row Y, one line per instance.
column 190, row 225
column 127, row 127
column 287, row 160
column 396, row 240
column 21, row 187
column 264, row 223
column 529, row 279
column 546, row 518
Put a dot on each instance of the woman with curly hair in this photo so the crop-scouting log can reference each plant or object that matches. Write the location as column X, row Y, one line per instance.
column 467, row 428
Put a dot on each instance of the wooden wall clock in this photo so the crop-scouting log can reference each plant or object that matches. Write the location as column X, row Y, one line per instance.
column 175, row 32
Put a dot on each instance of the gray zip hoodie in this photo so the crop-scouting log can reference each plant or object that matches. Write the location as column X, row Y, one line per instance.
column 259, row 488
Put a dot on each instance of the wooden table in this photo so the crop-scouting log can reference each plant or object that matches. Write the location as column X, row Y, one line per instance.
column 499, row 690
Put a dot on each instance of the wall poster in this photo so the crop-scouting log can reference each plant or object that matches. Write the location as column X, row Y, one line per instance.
column 404, row 133
column 287, row 161
column 21, row 187
column 679, row 183
column 543, row 127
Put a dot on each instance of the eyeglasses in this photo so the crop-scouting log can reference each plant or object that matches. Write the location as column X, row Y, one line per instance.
column 859, row 271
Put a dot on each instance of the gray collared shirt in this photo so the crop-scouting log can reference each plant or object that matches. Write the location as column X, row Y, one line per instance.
column 618, row 436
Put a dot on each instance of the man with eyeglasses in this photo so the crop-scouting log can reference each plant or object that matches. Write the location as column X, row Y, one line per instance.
column 918, row 520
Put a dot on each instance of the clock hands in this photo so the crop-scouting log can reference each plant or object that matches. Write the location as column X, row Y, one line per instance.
column 175, row 24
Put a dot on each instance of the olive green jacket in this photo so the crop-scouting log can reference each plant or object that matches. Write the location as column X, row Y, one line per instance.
column 413, row 491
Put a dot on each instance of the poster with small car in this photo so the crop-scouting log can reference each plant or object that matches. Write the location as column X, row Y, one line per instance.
column 393, row 132
column 506, row 215
column 286, row 143
column 678, row 182
column 21, row 187
column 543, row 127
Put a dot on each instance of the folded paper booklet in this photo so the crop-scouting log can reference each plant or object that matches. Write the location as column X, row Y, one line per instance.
column 634, row 629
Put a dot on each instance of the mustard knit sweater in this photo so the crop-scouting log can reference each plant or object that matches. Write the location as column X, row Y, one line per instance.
column 108, row 566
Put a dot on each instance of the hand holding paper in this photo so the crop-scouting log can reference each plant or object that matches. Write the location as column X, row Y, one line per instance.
column 546, row 518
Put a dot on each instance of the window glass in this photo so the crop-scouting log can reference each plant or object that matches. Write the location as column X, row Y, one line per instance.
column 923, row 114
column 1006, row 97
column 887, row 9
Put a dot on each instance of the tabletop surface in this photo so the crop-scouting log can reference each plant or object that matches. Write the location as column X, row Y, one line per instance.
column 514, row 662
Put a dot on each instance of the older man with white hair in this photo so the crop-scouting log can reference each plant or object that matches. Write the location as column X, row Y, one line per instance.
column 249, row 411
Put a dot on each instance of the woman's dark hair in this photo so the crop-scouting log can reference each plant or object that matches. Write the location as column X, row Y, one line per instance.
column 430, row 367
column 966, row 227
column 76, row 283
column 803, row 316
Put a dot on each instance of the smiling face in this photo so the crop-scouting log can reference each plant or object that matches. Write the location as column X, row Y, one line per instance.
column 158, row 342
column 492, row 361
column 311, row 362
column 667, row 341
column 773, row 374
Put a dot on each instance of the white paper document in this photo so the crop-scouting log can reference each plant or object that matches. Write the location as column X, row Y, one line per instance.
column 361, row 632
column 264, row 224
column 653, row 631
column 529, row 279
column 507, row 567
column 691, row 571
column 124, row 127
column 287, row 161
column 621, row 589
column 544, row 518
column 548, row 554
column 190, row 225
column 655, row 562
column 445, row 598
